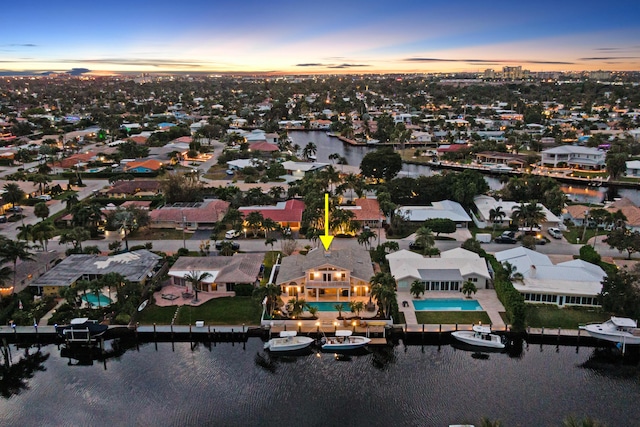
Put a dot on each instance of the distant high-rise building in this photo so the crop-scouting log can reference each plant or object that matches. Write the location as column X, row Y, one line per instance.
column 600, row 75
column 512, row 73
column 489, row 73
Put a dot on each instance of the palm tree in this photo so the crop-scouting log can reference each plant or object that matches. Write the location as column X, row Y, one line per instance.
column 76, row 236
column 12, row 251
column 126, row 221
column 356, row 307
column 585, row 422
column 417, row 288
column 496, row 215
column 13, row 193
column 313, row 311
column 83, row 286
column 468, row 288
column 70, row 293
column 196, row 278
column 528, row 214
column 25, row 232
column 95, row 287
column 309, row 151
column 5, row 274
column 425, row 239
column 71, row 200
column 41, row 210
column 226, row 248
column 253, row 220
column 269, row 225
column 43, row 232
column 271, row 292
column 365, row 238
column 383, row 289
column 339, row 308
column 276, row 191
column 41, row 180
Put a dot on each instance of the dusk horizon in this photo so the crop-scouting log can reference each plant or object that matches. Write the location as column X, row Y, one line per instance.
column 336, row 38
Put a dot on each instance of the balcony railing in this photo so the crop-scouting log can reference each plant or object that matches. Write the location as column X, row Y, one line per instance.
column 330, row 284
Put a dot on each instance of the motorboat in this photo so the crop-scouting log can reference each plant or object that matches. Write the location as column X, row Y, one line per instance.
column 288, row 341
column 617, row 329
column 480, row 336
column 344, row 340
column 81, row 330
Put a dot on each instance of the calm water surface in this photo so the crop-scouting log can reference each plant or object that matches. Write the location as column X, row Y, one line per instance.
column 181, row 385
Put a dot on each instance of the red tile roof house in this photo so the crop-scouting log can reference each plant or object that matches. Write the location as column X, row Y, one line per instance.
column 144, row 166
column 287, row 214
column 367, row 211
column 263, row 147
column 73, row 161
column 191, row 216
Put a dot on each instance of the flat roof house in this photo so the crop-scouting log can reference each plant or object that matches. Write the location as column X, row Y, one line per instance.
column 575, row 282
column 444, row 209
column 446, row 273
column 574, row 156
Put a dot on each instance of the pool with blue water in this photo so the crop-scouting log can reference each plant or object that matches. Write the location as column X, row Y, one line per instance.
column 441, row 304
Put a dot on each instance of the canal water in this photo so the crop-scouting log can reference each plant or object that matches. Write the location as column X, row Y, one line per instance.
column 185, row 384
column 327, row 145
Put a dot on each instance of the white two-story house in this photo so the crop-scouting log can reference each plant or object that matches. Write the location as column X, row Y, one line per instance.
column 574, row 157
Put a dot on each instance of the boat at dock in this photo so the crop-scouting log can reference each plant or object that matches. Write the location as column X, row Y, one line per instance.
column 344, row 340
column 288, row 341
column 480, row 336
column 81, row 330
column 617, row 329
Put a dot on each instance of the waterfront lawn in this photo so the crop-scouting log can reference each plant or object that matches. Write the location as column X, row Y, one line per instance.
column 452, row 317
column 222, row 311
column 551, row 316
column 158, row 315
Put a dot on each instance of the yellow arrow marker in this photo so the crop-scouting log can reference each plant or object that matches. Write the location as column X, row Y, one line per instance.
column 326, row 239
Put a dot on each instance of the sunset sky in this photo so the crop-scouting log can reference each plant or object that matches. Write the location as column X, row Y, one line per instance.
column 318, row 37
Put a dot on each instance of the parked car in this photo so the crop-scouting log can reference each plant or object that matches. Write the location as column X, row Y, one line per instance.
column 505, row 239
column 14, row 209
column 415, row 246
column 555, row 233
column 234, row 245
column 3, row 219
column 44, row 197
column 231, row 234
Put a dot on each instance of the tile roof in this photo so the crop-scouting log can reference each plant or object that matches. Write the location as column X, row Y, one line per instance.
column 365, row 210
column 264, row 146
column 358, row 261
column 133, row 187
column 239, row 268
column 289, row 211
column 150, row 164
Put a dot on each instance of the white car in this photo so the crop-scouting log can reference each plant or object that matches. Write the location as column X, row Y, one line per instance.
column 44, row 197
column 555, row 233
column 231, row 234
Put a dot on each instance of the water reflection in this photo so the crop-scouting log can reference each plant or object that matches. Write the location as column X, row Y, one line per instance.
column 78, row 355
column 14, row 375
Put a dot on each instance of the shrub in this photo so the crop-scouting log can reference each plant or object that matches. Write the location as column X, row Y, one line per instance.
column 122, row 319
column 243, row 290
column 512, row 300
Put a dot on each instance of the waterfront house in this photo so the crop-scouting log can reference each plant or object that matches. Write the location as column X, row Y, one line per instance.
column 446, row 273
column 122, row 189
column 225, row 272
column 633, row 168
column 137, row 267
column 29, row 270
column 144, row 166
column 571, row 283
column 574, row 156
column 299, row 169
column 335, row 275
column 444, row 209
column 189, row 216
column 287, row 214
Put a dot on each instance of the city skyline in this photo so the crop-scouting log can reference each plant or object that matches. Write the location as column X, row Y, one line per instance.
column 330, row 37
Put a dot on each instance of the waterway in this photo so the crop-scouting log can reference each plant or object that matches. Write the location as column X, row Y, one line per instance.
column 327, row 145
column 183, row 384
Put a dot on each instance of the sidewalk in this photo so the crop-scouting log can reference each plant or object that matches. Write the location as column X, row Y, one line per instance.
column 45, row 319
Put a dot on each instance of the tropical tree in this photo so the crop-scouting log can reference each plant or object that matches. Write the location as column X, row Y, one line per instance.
column 496, row 215
column 309, row 151
column 383, row 289
column 356, row 307
column 95, row 287
column 226, row 248
column 126, row 222
column 25, row 232
column 365, row 238
column 41, row 180
column 339, row 308
column 417, row 288
column 13, row 193
column 528, row 215
column 71, row 200
column 425, row 239
column 41, row 210
column 313, row 311
column 253, row 220
column 271, row 292
column 12, row 251
column 5, row 275
column 468, row 288
column 196, row 278
column 75, row 236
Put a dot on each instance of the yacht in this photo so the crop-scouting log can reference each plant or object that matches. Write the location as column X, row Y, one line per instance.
column 344, row 340
column 480, row 336
column 288, row 341
column 616, row 329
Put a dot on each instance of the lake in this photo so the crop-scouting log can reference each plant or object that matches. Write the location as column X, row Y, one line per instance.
column 182, row 384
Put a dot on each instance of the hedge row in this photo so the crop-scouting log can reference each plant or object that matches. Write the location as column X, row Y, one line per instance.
column 512, row 300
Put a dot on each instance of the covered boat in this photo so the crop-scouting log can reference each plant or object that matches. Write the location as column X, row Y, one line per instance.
column 81, row 330
column 617, row 329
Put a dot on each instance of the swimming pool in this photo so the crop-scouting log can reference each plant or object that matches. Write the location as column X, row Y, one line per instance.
column 453, row 304
column 93, row 300
column 330, row 306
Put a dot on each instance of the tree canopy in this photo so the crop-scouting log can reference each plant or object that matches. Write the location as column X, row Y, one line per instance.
column 382, row 164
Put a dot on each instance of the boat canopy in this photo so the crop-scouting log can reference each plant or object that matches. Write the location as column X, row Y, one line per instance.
column 624, row 322
column 482, row 329
column 79, row 320
column 288, row 333
column 343, row 333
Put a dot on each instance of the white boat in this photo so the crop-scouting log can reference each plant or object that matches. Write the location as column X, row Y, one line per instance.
column 617, row 329
column 288, row 341
column 344, row 340
column 480, row 336
column 500, row 168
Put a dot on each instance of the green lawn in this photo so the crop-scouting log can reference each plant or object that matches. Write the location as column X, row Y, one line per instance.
column 551, row 316
column 575, row 233
column 452, row 317
column 159, row 234
column 219, row 311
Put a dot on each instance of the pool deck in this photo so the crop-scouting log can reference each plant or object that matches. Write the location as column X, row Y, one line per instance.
column 487, row 299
